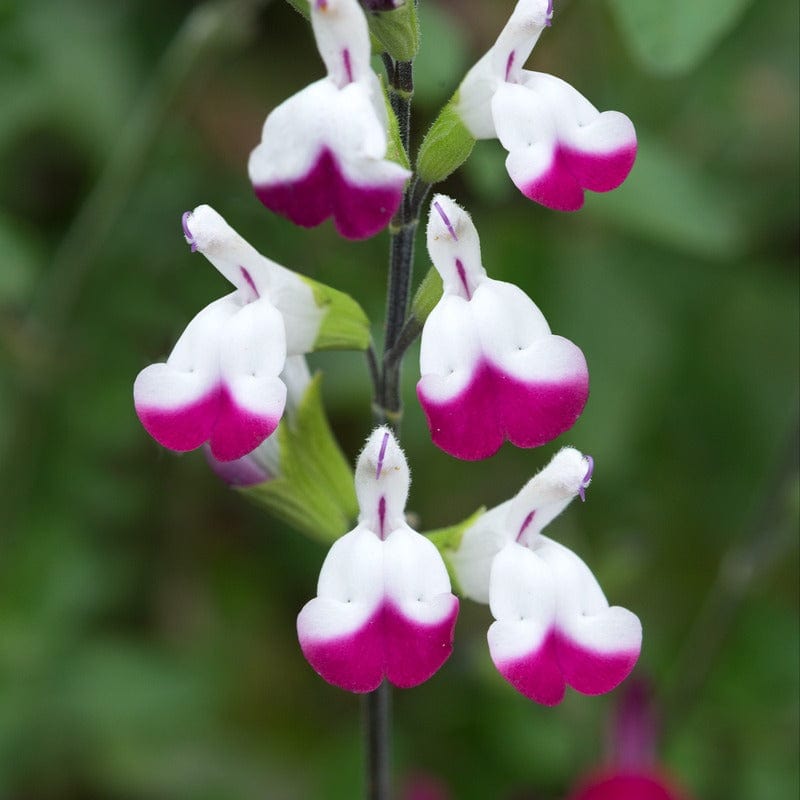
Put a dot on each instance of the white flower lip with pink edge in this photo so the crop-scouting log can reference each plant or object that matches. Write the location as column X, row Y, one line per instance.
column 490, row 368
column 220, row 384
column 553, row 625
column 383, row 608
column 558, row 143
column 323, row 151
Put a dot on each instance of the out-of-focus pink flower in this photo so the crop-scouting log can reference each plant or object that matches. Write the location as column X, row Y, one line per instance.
column 633, row 772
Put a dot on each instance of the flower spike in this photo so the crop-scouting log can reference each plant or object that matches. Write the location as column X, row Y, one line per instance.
column 553, row 625
column 491, row 369
column 558, row 143
column 384, row 606
column 323, row 152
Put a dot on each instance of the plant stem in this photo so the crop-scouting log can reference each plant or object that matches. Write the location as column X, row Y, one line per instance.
column 377, row 712
column 387, row 405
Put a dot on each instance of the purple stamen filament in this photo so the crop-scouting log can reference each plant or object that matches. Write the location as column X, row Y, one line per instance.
column 381, row 454
column 250, row 282
column 462, row 274
column 449, row 225
column 525, row 524
column 382, row 516
column 586, row 478
column 186, row 232
column 348, row 67
column 509, row 63
column 549, row 20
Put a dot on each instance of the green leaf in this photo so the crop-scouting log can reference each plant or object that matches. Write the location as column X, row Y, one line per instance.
column 314, row 492
column 673, row 38
column 448, row 540
column 446, row 146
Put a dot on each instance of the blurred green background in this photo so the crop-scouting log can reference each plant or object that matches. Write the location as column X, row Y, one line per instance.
column 147, row 644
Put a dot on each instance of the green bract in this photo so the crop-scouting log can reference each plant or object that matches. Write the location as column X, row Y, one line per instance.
column 427, row 296
column 314, row 492
column 344, row 325
column 446, row 146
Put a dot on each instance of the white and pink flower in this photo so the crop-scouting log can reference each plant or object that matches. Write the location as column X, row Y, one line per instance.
column 553, row 625
column 221, row 383
column 558, row 143
column 323, row 152
column 384, row 608
column 490, row 368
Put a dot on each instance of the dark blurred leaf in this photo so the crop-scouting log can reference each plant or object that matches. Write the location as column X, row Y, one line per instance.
column 672, row 38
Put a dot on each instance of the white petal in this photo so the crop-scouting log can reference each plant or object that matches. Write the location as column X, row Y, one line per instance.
column 319, row 116
column 382, row 480
column 454, row 247
column 502, row 63
column 340, row 29
column 416, row 578
column 350, row 588
column 583, row 613
column 507, row 320
column 522, row 598
column 252, row 355
column 234, row 257
column 450, row 351
column 548, row 493
column 192, row 368
column 473, row 101
column 524, row 120
column 479, row 545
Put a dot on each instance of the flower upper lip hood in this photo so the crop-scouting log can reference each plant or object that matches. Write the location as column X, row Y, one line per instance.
column 490, row 367
column 323, row 151
column 384, row 606
column 553, row 625
column 558, row 143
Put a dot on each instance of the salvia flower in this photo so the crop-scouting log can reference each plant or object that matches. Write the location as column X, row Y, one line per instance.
column 323, row 152
column 553, row 625
column 558, row 143
column 384, row 606
column 490, row 367
column 633, row 771
column 221, row 383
